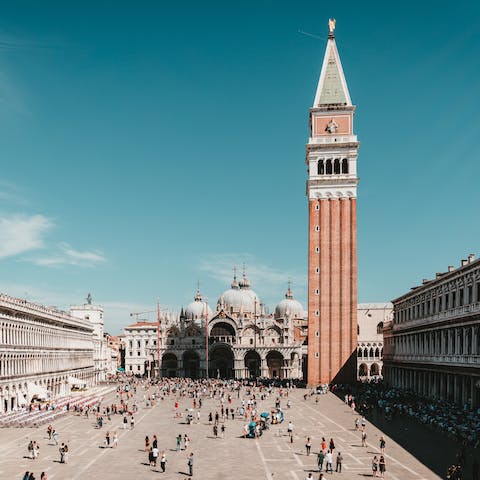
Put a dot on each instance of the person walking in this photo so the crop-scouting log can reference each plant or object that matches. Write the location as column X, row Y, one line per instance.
column 320, row 459
column 132, row 422
column 115, row 439
column 25, row 477
column 66, row 452
column 308, row 445
column 381, row 466
column 329, row 461
column 338, row 468
column 364, row 439
column 154, row 456
column 163, row 462
column 382, row 445
column 61, row 450
column 55, row 436
column 222, row 429
column 179, row 442
column 332, row 445
column 147, row 444
column 190, row 464
column 324, row 444
column 125, row 422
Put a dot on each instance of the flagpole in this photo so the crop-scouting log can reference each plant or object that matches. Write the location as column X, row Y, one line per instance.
column 206, row 337
column 158, row 335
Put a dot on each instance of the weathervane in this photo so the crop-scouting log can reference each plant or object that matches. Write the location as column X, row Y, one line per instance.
column 89, row 298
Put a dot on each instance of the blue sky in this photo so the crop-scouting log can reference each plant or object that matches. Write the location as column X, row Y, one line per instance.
column 145, row 147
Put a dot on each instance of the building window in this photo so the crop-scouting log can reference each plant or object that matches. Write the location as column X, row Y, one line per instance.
column 317, row 228
column 251, row 341
column 460, row 297
column 130, row 343
column 328, row 168
column 193, row 341
column 320, row 168
column 138, row 354
column 317, row 207
column 358, row 329
column 172, row 342
column 155, row 342
column 336, row 166
column 317, row 313
column 344, row 165
column 316, row 354
column 131, row 353
column 317, row 270
column 138, row 367
column 317, row 291
column 138, row 343
column 146, row 342
column 317, row 249
column 131, row 367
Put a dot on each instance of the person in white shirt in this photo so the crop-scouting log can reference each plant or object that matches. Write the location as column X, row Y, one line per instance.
column 329, row 461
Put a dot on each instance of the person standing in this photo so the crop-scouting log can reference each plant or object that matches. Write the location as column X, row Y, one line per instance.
column 154, row 456
column 179, row 442
column 132, row 422
column 364, row 439
column 190, row 464
column 308, row 445
column 25, row 477
column 43, row 476
column 381, row 466
column 338, row 468
column 163, row 462
column 222, row 429
column 62, row 453
column 115, row 439
column 375, row 467
column 125, row 422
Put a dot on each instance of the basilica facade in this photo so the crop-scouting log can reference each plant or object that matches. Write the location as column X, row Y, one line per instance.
column 239, row 339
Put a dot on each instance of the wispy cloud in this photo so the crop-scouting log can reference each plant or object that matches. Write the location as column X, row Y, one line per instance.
column 69, row 256
column 270, row 282
column 117, row 312
column 22, row 233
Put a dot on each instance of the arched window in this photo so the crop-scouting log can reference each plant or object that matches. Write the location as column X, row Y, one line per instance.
column 328, row 168
column 359, row 353
column 371, row 353
column 377, row 353
column 320, row 167
column 344, row 165
column 380, row 327
column 336, row 166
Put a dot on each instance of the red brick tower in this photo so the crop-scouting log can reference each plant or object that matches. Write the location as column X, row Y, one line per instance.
column 332, row 244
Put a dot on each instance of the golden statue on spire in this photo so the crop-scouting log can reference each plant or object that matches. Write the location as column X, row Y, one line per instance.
column 331, row 25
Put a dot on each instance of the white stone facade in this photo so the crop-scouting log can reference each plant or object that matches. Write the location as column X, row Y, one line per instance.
column 243, row 341
column 432, row 345
column 371, row 319
column 40, row 349
column 101, row 354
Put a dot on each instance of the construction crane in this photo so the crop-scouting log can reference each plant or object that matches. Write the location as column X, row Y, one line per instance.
column 137, row 314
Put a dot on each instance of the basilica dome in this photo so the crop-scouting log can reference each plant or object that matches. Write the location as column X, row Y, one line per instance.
column 289, row 306
column 239, row 298
column 198, row 308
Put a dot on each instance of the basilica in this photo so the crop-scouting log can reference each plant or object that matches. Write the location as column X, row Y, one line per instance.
column 243, row 339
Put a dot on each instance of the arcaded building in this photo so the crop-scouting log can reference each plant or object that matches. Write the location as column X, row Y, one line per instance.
column 432, row 346
column 42, row 351
column 244, row 341
column 331, row 157
column 371, row 319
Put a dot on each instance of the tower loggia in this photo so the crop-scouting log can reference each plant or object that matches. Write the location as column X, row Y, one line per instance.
column 331, row 157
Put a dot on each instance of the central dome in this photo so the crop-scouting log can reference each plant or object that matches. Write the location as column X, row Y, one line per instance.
column 240, row 298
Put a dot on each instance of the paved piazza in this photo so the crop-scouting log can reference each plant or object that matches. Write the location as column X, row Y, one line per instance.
column 271, row 456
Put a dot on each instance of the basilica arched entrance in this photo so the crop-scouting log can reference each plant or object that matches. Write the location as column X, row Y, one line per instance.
column 253, row 363
column 169, row 365
column 274, row 364
column 221, row 362
column 191, row 364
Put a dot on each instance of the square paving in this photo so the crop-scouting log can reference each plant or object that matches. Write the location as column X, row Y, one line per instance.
column 272, row 456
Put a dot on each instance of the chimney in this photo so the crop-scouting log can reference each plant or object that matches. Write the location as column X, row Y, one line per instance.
column 450, row 268
column 464, row 262
column 471, row 258
column 438, row 275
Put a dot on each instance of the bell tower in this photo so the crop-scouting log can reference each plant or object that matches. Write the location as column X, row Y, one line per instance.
column 331, row 157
